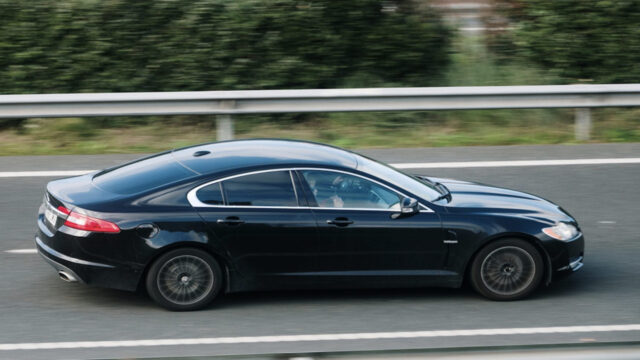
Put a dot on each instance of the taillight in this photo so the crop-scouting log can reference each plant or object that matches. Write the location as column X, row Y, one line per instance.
column 87, row 223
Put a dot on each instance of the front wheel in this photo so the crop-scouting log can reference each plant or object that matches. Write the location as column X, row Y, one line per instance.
column 508, row 269
column 184, row 279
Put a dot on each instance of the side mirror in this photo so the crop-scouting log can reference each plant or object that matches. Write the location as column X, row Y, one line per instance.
column 408, row 206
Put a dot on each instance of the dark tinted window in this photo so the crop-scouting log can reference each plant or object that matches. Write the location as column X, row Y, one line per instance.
column 339, row 190
column 262, row 189
column 411, row 184
column 211, row 195
column 142, row 175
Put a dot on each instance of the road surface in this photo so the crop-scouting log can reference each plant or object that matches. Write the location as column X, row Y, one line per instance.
column 36, row 307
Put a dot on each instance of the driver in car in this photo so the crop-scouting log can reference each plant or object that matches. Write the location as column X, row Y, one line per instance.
column 324, row 190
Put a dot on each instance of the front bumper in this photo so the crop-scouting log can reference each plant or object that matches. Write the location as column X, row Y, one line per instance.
column 566, row 257
column 575, row 265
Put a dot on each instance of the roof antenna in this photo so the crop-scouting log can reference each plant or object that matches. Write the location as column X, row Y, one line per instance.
column 201, row 153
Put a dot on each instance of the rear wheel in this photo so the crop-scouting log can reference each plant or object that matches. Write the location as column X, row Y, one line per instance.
column 184, row 279
column 508, row 269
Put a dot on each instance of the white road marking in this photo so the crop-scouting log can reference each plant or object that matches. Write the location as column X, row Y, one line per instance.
column 317, row 337
column 427, row 165
column 22, row 251
column 510, row 163
column 606, row 222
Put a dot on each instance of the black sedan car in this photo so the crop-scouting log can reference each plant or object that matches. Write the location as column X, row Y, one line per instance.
column 233, row 216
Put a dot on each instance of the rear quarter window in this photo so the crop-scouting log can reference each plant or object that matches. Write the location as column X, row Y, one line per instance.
column 211, row 195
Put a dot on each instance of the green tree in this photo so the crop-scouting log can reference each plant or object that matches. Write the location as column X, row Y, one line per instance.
column 577, row 39
column 165, row 45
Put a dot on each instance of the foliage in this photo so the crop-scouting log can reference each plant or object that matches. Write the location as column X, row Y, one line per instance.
column 50, row 46
column 593, row 40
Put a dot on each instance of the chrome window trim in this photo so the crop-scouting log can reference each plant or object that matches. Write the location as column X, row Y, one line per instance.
column 195, row 202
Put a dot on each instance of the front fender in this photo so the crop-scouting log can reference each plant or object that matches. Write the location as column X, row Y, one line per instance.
column 474, row 231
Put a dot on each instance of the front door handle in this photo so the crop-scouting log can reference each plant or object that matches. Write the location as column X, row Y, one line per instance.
column 230, row 220
column 341, row 221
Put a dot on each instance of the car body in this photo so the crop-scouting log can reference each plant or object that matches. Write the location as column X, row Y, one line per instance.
column 277, row 214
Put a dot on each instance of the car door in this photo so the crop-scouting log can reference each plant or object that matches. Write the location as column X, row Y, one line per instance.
column 259, row 220
column 360, row 233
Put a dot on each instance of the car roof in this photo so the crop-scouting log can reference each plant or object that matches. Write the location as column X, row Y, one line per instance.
column 241, row 154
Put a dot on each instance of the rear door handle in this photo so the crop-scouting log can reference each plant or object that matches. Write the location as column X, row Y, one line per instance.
column 341, row 221
column 231, row 220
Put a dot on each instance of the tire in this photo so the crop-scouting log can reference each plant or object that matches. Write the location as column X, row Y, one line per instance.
column 507, row 269
column 184, row 279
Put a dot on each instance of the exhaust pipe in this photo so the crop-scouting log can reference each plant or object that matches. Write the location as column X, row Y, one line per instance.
column 65, row 276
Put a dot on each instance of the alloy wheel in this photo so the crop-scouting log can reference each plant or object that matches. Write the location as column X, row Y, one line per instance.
column 185, row 280
column 508, row 270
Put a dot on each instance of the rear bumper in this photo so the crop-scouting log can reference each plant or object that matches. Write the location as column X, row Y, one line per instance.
column 51, row 253
column 72, row 276
column 88, row 272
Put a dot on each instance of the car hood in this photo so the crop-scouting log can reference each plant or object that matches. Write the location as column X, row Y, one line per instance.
column 475, row 197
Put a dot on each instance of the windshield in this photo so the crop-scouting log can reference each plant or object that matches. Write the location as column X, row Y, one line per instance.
column 412, row 184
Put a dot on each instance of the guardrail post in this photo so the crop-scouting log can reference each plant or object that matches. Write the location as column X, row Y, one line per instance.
column 224, row 122
column 583, row 124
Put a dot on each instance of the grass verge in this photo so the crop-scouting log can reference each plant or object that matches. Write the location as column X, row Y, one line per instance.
column 354, row 130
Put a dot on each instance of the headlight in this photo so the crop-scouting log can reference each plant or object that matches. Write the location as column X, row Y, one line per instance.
column 561, row 231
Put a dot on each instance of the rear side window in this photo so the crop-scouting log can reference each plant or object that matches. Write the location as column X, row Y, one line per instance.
column 263, row 189
column 142, row 175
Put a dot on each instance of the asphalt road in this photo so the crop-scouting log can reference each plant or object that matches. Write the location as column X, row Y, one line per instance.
column 35, row 306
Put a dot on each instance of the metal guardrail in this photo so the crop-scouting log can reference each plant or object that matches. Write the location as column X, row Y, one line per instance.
column 226, row 103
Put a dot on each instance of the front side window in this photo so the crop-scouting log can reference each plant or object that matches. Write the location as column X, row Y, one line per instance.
column 262, row 189
column 339, row 190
